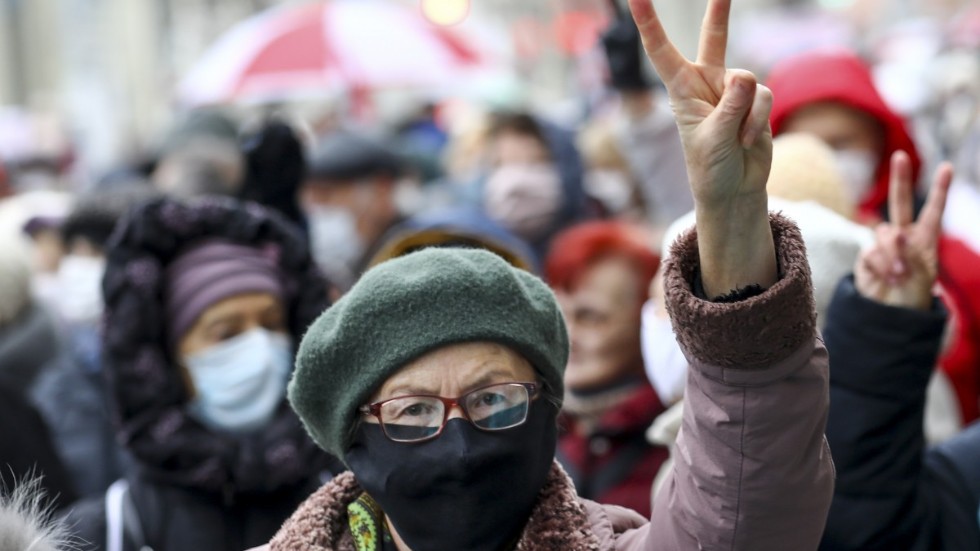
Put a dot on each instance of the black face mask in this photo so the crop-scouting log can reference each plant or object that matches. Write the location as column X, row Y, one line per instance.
column 467, row 489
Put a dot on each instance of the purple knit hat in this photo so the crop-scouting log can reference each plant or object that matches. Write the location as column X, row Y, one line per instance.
column 212, row 271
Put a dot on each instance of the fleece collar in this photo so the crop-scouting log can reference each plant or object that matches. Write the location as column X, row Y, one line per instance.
column 559, row 521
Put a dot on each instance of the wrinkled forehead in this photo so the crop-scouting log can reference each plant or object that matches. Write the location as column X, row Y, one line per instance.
column 454, row 369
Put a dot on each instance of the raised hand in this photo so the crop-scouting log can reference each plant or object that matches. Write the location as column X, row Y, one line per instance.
column 900, row 269
column 723, row 118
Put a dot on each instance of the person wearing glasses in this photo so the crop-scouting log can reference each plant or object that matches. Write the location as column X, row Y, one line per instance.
column 437, row 379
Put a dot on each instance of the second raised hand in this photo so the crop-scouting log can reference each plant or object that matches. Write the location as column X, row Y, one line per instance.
column 901, row 268
column 723, row 118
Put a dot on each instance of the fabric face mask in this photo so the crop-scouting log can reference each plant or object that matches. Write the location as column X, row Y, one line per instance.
column 466, row 489
column 334, row 242
column 665, row 364
column 240, row 382
column 611, row 187
column 79, row 297
column 526, row 199
column 857, row 168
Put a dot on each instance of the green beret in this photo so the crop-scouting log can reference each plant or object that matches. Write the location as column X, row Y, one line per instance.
column 406, row 307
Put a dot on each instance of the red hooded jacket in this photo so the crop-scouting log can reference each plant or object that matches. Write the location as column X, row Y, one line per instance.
column 843, row 77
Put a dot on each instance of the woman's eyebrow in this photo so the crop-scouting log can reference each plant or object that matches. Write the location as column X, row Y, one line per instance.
column 219, row 319
column 492, row 377
column 495, row 375
column 407, row 390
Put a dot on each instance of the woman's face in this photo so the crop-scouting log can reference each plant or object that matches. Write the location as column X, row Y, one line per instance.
column 231, row 317
column 454, row 370
column 603, row 317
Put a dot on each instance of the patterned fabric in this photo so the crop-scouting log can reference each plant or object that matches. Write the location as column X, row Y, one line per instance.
column 367, row 526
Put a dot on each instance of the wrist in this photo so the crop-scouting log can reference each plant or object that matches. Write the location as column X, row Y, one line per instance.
column 736, row 245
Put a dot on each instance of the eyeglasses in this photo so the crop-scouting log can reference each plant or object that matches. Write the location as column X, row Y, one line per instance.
column 417, row 418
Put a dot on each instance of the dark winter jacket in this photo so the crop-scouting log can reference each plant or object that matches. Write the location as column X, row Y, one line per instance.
column 27, row 344
column 614, row 463
column 168, row 517
column 26, row 451
column 893, row 494
column 71, row 395
column 195, row 488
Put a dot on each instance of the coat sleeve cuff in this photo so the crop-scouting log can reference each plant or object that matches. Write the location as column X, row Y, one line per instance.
column 754, row 333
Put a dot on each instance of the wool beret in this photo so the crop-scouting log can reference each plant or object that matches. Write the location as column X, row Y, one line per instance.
column 407, row 307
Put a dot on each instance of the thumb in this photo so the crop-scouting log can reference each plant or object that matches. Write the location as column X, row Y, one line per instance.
column 736, row 100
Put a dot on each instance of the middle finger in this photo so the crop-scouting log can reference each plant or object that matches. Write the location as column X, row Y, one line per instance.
column 714, row 33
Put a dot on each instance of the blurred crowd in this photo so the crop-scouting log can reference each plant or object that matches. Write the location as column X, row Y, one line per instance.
column 149, row 317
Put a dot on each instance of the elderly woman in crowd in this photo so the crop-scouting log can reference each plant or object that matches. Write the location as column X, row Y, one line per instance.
column 203, row 304
column 600, row 273
column 438, row 377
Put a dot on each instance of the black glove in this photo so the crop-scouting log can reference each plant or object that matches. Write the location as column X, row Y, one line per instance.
column 621, row 42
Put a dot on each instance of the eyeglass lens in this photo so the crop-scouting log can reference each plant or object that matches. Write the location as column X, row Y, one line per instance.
column 495, row 407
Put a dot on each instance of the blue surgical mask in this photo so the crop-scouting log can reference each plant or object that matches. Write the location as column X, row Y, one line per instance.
column 240, row 382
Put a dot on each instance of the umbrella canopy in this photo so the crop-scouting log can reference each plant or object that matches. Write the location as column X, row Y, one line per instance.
column 334, row 45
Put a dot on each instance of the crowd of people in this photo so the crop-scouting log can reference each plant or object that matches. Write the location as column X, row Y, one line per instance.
column 729, row 312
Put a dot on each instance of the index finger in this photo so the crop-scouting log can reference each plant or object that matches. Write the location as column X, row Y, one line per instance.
column 901, row 202
column 931, row 217
column 661, row 51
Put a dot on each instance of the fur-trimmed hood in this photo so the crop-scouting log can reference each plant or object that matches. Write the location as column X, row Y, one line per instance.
column 561, row 521
column 147, row 391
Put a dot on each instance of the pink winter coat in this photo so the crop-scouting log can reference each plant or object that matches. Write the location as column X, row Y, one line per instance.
column 752, row 468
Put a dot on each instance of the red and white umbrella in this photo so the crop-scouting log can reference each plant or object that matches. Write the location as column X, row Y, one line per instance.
column 336, row 45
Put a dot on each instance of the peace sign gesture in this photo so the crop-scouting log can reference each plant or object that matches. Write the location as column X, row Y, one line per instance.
column 723, row 118
column 900, row 269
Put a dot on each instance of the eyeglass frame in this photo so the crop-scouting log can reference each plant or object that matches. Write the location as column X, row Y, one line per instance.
column 374, row 409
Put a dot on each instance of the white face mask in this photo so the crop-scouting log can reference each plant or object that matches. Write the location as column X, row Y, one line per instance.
column 525, row 198
column 334, row 242
column 857, row 168
column 79, row 285
column 665, row 364
column 240, row 382
column 611, row 187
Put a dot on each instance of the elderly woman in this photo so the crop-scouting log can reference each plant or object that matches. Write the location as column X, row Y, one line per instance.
column 204, row 301
column 438, row 378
